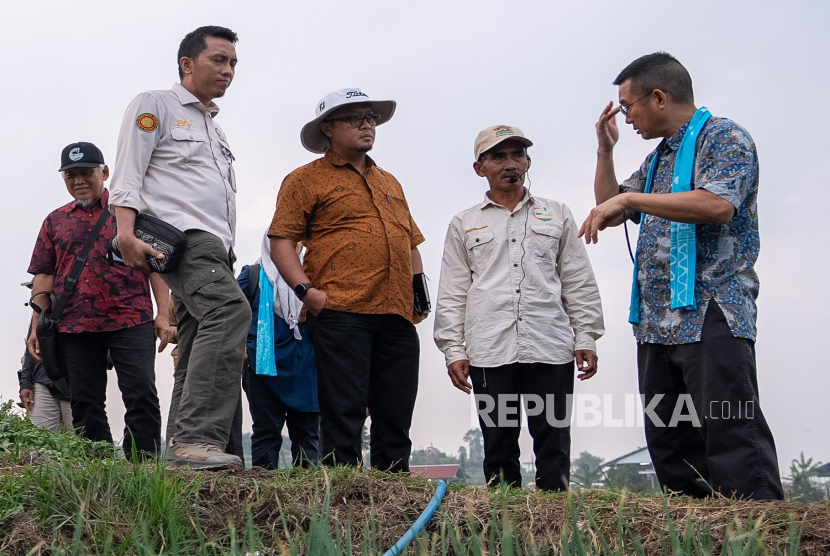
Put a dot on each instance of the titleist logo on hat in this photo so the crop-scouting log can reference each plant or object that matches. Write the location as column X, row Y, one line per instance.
column 315, row 140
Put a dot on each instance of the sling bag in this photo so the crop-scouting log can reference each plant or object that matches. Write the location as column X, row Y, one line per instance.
column 50, row 315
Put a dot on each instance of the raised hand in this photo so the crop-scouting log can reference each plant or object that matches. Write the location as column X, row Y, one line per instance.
column 607, row 132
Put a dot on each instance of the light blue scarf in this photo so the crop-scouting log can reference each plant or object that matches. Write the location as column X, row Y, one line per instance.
column 683, row 260
column 265, row 362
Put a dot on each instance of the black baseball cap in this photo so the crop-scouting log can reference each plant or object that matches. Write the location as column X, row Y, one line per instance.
column 81, row 155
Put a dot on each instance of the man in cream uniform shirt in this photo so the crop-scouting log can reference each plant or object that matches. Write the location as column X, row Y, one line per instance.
column 175, row 163
column 517, row 303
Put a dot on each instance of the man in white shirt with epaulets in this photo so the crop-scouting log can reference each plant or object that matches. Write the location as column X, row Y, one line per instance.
column 175, row 163
column 517, row 304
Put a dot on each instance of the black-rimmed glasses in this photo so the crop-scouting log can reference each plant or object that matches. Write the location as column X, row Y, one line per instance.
column 357, row 121
column 624, row 109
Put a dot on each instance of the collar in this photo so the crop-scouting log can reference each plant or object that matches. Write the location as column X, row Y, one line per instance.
column 528, row 198
column 673, row 143
column 103, row 201
column 336, row 160
column 186, row 97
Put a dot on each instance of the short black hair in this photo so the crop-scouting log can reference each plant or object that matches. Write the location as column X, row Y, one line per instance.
column 659, row 70
column 194, row 42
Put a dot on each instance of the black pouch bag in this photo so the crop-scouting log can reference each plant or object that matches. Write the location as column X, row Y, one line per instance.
column 161, row 236
column 47, row 338
column 47, row 329
column 419, row 288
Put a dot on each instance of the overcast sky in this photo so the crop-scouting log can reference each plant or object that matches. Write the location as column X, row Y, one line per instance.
column 455, row 67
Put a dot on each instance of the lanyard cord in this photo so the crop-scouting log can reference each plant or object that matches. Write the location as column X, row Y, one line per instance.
column 524, row 273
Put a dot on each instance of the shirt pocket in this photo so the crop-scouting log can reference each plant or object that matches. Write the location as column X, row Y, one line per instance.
column 480, row 249
column 230, row 175
column 544, row 241
column 189, row 145
column 400, row 211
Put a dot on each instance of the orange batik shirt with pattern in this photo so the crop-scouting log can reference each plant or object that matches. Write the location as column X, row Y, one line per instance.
column 358, row 231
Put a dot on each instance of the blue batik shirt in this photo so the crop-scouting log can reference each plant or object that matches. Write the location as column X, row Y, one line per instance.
column 726, row 164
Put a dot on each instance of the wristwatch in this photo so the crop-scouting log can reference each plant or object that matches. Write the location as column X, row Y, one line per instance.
column 302, row 289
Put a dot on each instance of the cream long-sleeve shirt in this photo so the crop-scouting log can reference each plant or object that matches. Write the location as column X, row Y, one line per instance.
column 174, row 163
column 516, row 286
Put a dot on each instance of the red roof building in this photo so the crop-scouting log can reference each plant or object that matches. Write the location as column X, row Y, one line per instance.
column 447, row 471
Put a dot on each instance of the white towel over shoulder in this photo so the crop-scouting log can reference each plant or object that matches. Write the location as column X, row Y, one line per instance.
column 287, row 305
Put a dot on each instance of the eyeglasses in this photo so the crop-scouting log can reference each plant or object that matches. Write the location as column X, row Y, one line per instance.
column 624, row 109
column 357, row 121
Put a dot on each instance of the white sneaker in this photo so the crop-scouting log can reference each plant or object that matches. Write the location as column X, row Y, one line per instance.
column 198, row 456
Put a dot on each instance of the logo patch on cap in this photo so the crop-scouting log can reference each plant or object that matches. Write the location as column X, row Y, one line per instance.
column 147, row 122
column 75, row 154
column 503, row 130
column 351, row 94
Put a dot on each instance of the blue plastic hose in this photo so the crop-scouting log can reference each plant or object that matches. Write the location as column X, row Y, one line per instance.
column 421, row 522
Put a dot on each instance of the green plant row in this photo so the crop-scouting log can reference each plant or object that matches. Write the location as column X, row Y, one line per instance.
column 62, row 495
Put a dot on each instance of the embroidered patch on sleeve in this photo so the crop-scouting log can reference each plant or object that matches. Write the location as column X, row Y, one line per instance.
column 147, row 122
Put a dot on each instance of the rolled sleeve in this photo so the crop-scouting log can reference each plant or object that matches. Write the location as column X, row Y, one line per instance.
column 416, row 238
column 295, row 205
column 451, row 307
column 727, row 172
column 44, row 257
column 580, row 294
column 135, row 148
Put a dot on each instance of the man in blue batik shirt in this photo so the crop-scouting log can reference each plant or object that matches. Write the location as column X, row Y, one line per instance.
column 693, row 297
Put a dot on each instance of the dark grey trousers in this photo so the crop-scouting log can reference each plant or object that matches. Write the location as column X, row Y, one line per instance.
column 213, row 319
column 729, row 447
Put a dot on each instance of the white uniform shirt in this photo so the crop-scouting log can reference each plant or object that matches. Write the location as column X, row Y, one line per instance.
column 516, row 287
column 174, row 163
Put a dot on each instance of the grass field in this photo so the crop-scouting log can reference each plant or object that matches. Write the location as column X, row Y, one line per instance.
column 62, row 495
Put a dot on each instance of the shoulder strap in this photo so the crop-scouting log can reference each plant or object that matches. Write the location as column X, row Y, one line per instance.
column 78, row 267
column 253, row 282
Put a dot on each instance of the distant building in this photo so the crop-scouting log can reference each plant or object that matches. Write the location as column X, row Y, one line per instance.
column 450, row 472
column 636, row 463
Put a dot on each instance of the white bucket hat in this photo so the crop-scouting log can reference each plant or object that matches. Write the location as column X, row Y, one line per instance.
column 315, row 140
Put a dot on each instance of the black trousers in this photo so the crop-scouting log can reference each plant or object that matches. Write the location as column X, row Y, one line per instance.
column 269, row 414
column 133, row 353
column 726, row 445
column 500, row 429
column 365, row 361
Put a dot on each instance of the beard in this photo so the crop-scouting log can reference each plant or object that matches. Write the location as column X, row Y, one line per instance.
column 365, row 149
column 85, row 203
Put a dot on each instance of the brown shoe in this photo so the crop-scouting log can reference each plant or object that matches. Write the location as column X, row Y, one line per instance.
column 198, row 456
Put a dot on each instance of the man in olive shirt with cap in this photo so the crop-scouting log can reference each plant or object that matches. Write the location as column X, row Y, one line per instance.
column 355, row 282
